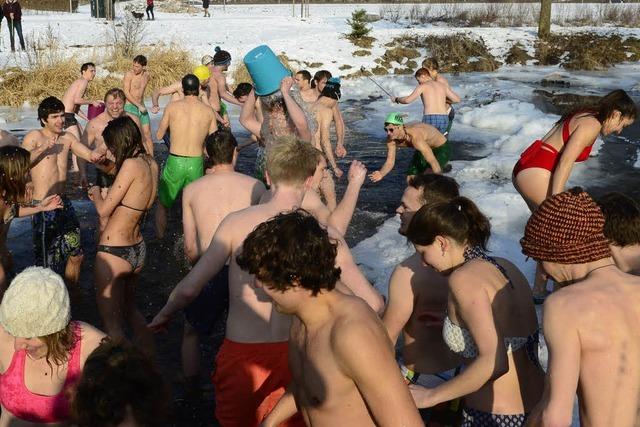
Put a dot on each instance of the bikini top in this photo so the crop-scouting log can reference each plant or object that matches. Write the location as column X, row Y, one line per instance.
column 584, row 155
column 459, row 339
column 144, row 211
column 33, row 407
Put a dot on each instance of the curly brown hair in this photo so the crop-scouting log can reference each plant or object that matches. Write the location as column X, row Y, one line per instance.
column 119, row 379
column 59, row 345
column 291, row 249
column 14, row 170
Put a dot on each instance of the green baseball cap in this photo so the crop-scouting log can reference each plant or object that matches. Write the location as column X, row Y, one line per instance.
column 394, row 119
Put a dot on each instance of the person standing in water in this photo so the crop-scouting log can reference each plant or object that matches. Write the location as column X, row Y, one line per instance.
column 545, row 166
column 134, row 84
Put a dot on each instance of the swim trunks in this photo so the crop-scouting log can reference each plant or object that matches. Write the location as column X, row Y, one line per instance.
column 56, row 236
column 132, row 109
column 70, row 120
column 475, row 418
column 249, row 379
column 545, row 156
column 178, row 172
column 211, row 305
column 419, row 164
column 438, row 121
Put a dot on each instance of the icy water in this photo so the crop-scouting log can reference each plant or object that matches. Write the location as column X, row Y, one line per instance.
column 499, row 117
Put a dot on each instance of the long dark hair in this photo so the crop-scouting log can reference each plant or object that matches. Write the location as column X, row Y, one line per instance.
column 14, row 167
column 123, row 139
column 459, row 219
column 319, row 75
column 618, row 100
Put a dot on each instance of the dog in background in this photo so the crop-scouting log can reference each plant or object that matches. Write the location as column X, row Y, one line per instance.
column 137, row 15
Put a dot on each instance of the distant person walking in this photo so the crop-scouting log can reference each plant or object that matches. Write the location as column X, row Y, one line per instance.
column 150, row 11
column 205, row 6
column 13, row 12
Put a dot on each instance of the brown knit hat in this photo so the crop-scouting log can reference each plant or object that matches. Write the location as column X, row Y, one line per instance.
column 567, row 229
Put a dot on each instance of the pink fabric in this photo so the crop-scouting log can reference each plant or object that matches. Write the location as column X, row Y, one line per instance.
column 29, row 406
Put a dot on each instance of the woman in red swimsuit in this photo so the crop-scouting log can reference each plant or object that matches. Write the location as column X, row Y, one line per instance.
column 545, row 166
column 42, row 352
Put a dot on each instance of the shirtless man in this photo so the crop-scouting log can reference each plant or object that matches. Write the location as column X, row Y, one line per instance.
column 213, row 94
column 324, row 116
column 135, row 83
column 56, row 234
column 190, row 122
column 591, row 324
column 432, row 150
column 435, row 95
column 418, row 297
column 221, row 62
column 232, row 191
column 241, row 92
column 311, row 94
column 114, row 101
column 622, row 228
column 256, row 334
column 73, row 99
column 340, row 357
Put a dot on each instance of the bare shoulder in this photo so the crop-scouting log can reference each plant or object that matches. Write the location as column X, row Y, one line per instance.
column 406, row 269
column 356, row 327
column 468, row 279
column 91, row 338
column 30, row 138
column 67, row 138
column 128, row 75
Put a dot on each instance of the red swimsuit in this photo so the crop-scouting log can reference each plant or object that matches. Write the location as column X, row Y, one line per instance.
column 545, row 156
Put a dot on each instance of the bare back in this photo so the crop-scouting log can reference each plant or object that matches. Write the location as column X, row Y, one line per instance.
column 422, row 132
column 232, row 191
column 190, row 121
column 75, row 91
column 434, row 97
column 606, row 311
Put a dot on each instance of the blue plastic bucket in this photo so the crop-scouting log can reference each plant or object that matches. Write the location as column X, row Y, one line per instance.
column 265, row 69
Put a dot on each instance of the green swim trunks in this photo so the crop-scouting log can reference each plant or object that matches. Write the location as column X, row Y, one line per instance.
column 223, row 109
column 177, row 173
column 132, row 109
column 419, row 163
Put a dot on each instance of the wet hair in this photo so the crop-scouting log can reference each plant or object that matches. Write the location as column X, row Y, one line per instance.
column 49, row 105
column 243, row 89
column 621, row 219
column 14, row 169
column 431, row 64
column 291, row 161
column 117, row 380
column 273, row 101
column 123, row 138
column 618, row 100
column 140, row 59
column 319, row 76
column 59, row 345
column 291, row 249
column 220, row 147
column 305, row 75
column 84, row 67
column 422, row 72
column 190, row 85
column 116, row 93
column 459, row 219
column 435, row 188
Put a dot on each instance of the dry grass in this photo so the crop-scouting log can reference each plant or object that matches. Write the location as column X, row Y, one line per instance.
column 50, row 76
column 517, row 55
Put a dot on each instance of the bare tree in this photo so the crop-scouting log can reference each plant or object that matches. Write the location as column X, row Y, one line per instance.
column 544, row 23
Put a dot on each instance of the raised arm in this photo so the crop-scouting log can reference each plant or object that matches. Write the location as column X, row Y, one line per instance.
column 224, row 93
column 474, row 308
column 247, row 115
column 400, row 302
column 164, row 122
column 585, row 133
column 363, row 352
column 295, row 112
column 342, row 214
column 561, row 381
column 167, row 90
column 209, row 264
column 410, row 98
column 353, row 278
column 82, row 151
column 388, row 165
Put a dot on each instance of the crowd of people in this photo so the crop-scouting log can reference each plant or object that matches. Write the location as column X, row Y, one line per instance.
column 308, row 340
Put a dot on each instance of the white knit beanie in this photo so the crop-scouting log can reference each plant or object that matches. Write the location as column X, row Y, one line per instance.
column 36, row 304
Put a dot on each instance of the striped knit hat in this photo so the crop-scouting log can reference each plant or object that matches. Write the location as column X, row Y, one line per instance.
column 566, row 229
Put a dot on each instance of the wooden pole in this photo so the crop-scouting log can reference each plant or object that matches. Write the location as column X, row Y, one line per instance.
column 544, row 23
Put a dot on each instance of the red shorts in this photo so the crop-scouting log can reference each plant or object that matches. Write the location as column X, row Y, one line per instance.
column 537, row 155
column 249, row 380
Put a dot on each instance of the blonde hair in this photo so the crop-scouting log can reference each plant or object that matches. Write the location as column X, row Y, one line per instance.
column 59, row 345
column 291, row 161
